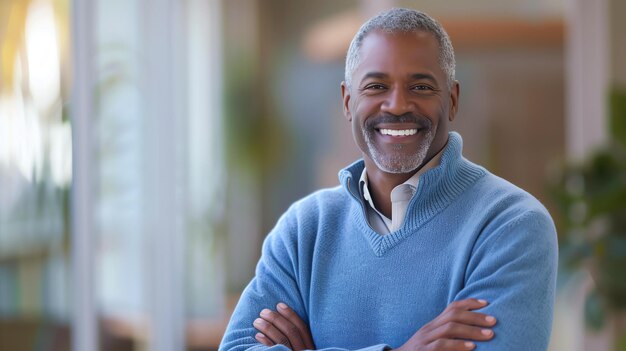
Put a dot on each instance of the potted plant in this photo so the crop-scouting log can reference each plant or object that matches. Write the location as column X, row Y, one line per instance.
column 591, row 197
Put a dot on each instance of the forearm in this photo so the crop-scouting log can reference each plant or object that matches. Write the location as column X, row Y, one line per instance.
column 251, row 345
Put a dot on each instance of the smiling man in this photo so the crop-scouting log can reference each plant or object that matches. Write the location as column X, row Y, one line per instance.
column 418, row 248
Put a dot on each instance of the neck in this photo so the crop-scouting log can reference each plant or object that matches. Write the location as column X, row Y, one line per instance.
column 381, row 184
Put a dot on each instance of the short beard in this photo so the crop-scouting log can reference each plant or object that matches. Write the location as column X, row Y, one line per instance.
column 398, row 163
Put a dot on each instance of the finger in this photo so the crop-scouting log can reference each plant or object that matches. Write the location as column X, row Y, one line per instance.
column 462, row 312
column 468, row 317
column 450, row 345
column 286, row 328
column 476, row 319
column 454, row 330
column 293, row 317
column 263, row 339
column 271, row 332
column 468, row 304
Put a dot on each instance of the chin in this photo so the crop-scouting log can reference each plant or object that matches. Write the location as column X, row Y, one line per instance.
column 399, row 164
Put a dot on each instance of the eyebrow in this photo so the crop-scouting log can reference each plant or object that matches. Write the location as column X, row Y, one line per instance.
column 414, row 76
column 379, row 75
column 426, row 76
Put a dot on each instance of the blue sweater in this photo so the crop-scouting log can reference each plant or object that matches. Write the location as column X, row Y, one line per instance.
column 467, row 233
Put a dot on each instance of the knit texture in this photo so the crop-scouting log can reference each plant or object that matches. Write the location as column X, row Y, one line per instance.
column 467, row 233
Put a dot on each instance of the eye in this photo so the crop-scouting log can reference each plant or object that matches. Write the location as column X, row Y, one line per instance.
column 374, row 86
column 422, row 87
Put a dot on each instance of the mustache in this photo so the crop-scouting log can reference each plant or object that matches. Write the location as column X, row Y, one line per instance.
column 421, row 122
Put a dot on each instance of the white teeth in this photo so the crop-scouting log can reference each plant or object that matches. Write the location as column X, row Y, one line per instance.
column 395, row 132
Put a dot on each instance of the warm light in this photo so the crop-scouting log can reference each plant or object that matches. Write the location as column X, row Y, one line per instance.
column 43, row 54
column 31, row 131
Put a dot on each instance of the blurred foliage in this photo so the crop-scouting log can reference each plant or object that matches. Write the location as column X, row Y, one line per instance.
column 592, row 199
column 255, row 137
column 618, row 114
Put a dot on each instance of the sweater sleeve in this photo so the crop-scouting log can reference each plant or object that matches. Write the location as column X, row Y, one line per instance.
column 276, row 280
column 514, row 269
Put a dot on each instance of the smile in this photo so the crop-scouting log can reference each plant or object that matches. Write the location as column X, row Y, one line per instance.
column 398, row 132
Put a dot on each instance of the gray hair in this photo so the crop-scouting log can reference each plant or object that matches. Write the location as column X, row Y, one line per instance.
column 399, row 20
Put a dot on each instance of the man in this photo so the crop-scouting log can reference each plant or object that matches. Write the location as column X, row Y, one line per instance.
column 418, row 249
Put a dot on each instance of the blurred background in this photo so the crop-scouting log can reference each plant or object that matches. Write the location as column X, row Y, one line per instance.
column 148, row 146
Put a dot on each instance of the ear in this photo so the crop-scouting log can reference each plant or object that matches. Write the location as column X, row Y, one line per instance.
column 345, row 96
column 455, row 90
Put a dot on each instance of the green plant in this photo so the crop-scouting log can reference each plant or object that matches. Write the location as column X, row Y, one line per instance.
column 592, row 200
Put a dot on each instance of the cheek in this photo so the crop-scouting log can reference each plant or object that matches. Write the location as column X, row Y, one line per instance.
column 357, row 134
column 357, row 130
column 366, row 105
column 436, row 110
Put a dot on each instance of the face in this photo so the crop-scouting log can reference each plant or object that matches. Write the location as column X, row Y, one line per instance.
column 399, row 103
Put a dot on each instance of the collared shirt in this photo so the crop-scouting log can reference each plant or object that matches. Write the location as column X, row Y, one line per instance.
column 400, row 197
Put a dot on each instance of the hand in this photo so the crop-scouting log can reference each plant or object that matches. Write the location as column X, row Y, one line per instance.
column 453, row 329
column 283, row 327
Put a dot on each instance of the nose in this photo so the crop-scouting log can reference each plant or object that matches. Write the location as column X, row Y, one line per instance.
column 398, row 102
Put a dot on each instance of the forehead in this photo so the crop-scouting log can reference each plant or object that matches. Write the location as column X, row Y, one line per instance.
column 392, row 52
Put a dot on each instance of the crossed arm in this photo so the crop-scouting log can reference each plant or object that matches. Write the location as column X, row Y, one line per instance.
column 454, row 329
column 514, row 269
